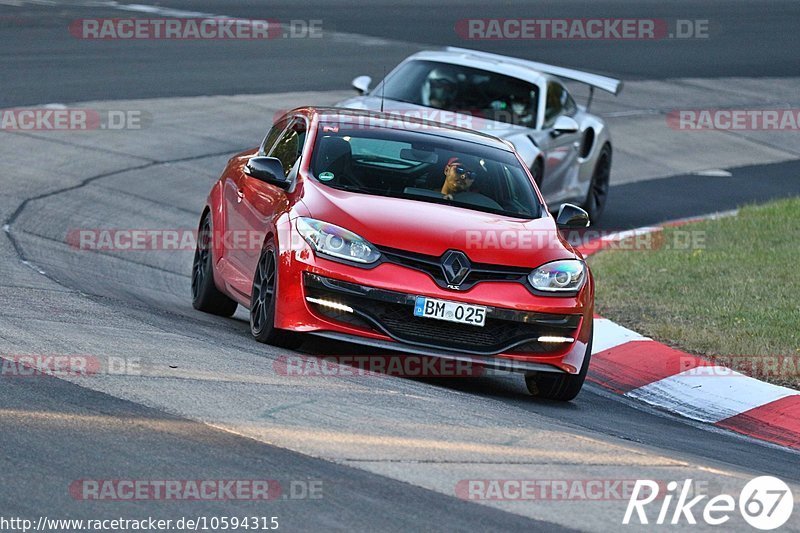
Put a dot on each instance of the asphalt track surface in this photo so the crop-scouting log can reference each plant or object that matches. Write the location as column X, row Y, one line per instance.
column 53, row 432
column 634, row 205
column 52, row 451
column 748, row 39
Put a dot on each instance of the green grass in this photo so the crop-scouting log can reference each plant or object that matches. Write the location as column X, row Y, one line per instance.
column 736, row 295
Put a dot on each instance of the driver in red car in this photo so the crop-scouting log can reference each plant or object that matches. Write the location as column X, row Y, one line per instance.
column 456, row 178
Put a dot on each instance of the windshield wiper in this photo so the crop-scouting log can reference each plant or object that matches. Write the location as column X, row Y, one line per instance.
column 356, row 188
column 344, row 187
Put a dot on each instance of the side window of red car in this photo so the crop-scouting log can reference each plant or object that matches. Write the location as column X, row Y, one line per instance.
column 272, row 136
column 289, row 146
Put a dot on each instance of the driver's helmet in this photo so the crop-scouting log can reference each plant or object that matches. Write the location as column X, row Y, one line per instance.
column 520, row 104
column 439, row 89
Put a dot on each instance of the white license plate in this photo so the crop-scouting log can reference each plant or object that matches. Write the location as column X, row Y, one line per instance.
column 474, row 315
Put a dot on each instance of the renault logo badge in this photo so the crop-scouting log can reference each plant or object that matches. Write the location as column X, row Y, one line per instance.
column 455, row 267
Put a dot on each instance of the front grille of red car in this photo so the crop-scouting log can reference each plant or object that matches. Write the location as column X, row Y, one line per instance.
column 391, row 313
column 432, row 265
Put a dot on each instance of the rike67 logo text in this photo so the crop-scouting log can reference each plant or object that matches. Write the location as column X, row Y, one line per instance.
column 765, row 503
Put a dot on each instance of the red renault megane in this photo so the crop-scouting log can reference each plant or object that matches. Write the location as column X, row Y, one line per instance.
column 401, row 234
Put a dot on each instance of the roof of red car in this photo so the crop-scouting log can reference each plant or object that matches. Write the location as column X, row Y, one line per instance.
column 393, row 121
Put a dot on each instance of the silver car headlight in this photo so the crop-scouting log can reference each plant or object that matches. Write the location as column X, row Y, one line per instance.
column 566, row 275
column 328, row 239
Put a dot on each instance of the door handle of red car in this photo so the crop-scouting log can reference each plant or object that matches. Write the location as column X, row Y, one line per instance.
column 240, row 194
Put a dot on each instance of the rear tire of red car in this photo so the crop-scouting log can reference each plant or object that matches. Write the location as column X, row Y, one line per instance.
column 561, row 387
column 263, row 301
column 206, row 296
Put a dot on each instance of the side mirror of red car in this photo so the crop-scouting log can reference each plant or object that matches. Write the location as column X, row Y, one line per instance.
column 572, row 216
column 267, row 169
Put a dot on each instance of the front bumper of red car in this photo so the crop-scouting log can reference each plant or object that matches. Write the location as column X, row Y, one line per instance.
column 375, row 306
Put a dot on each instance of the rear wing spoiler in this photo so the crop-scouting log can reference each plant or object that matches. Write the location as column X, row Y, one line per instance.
column 603, row 83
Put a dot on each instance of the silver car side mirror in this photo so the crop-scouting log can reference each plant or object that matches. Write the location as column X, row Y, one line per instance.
column 361, row 84
column 565, row 124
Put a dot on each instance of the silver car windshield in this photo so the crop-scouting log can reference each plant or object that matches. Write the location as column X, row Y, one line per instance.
column 466, row 90
column 423, row 166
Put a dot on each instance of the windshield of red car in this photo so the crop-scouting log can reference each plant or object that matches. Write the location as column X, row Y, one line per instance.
column 412, row 164
column 461, row 89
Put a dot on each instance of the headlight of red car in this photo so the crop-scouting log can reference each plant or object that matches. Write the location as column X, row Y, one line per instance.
column 328, row 239
column 566, row 275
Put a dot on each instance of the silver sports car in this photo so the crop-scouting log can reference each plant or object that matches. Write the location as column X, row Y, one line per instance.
column 524, row 102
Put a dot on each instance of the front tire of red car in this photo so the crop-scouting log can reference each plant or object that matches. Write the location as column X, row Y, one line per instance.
column 206, row 296
column 561, row 387
column 263, row 301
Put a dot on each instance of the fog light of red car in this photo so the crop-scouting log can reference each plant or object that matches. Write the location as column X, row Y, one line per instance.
column 329, row 303
column 554, row 339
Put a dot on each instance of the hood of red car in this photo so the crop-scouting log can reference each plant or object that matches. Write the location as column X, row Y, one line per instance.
column 432, row 229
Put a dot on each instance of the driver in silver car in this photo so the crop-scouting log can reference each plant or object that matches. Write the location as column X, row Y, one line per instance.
column 439, row 89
